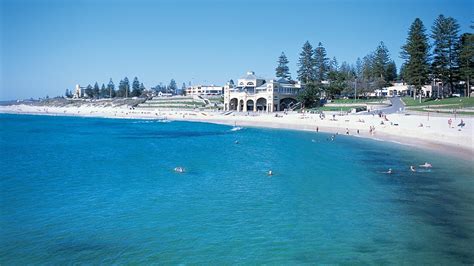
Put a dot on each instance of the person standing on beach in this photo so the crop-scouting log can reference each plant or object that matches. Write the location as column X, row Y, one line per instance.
column 450, row 121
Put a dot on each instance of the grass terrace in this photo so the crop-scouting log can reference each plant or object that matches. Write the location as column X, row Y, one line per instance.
column 176, row 102
column 337, row 108
column 445, row 106
column 355, row 101
column 454, row 102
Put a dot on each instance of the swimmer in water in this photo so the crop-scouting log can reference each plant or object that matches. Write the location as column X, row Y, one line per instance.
column 270, row 173
column 389, row 171
column 426, row 165
column 179, row 169
column 412, row 168
column 236, row 142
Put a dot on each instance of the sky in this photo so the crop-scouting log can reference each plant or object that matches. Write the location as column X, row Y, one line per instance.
column 48, row 46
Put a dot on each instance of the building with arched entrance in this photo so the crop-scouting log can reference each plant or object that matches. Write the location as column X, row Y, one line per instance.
column 252, row 94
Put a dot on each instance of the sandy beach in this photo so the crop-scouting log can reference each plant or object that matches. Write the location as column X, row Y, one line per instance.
column 425, row 131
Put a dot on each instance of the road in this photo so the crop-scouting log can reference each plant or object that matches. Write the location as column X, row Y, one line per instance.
column 397, row 106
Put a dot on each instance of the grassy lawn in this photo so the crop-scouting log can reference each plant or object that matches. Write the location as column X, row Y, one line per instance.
column 455, row 102
column 348, row 101
column 175, row 102
column 421, row 109
column 460, row 113
column 335, row 108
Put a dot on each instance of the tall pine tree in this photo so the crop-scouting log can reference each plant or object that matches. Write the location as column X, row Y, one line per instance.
column 466, row 60
column 123, row 88
column 391, row 71
column 415, row 70
column 306, row 64
column 172, row 87
column 367, row 75
column 333, row 65
column 96, row 91
column 111, row 88
column 89, row 92
column 136, row 88
column 126, row 86
column 445, row 36
column 282, row 70
column 321, row 63
column 381, row 60
column 103, row 91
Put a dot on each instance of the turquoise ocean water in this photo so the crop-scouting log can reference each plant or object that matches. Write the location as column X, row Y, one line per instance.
column 90, row 190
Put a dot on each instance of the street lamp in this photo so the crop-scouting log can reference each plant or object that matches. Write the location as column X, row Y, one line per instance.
column 355, row 90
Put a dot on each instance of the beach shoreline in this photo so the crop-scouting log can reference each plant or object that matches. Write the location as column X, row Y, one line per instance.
column 440, row 147
column 434, row 135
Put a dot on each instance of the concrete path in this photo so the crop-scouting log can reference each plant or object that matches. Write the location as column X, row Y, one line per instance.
column 397, row 106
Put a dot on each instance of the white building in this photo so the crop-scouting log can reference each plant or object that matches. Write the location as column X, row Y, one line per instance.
column 401, row 89
column 164, row 94
column 253, row 93
column 397, row 89
column 79, row 92
column 204, row 90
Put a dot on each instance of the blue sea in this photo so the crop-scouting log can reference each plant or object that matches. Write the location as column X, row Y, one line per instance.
column 103, row 191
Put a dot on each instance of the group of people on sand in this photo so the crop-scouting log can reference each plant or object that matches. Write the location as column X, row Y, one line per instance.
column 372, row 130
column 461, row 124
column 426, row 165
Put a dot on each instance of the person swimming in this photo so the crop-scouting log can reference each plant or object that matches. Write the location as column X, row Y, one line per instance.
column 236, row 142
column 426, row 165
column 270, row 173
column 412, row 168
column 179, row 169
column 389, row 171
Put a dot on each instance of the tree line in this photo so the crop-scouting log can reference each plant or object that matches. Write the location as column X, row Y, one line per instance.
column 320, row 74
column 124, row 90
column 449, row 60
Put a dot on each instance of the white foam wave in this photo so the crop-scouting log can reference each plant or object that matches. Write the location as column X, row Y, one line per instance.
column 236, row 128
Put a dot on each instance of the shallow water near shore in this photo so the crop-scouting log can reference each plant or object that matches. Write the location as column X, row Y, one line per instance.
column 92, row 190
